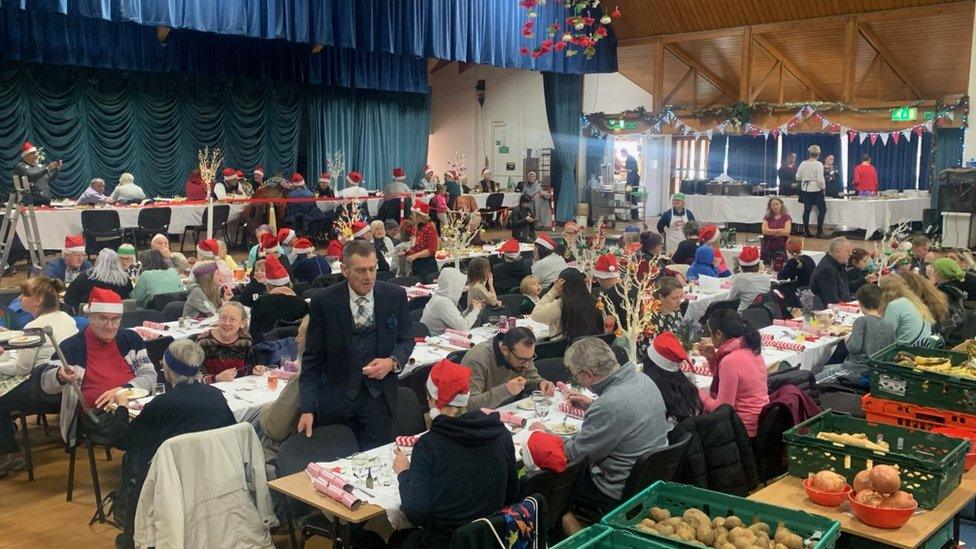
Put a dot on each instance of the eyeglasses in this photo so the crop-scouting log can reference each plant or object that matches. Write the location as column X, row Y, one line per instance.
column 523, row 360
column 102, row 319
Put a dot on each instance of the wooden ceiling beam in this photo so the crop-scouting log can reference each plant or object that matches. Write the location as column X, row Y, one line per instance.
column 702, row 70
column 657, row 84
column 762, row 83
column 745, row 70
column 730, row 32
column 850, row 59
column 874, row 65
column 886, row 56
column 797, row 73
column 674, row 90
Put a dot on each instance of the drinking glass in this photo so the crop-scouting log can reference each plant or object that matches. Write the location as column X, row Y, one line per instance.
column 493, row 321
column 159, row 389
column 360, row 467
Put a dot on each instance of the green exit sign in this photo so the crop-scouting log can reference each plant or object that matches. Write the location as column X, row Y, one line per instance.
column 904, row 114
column 621, row 124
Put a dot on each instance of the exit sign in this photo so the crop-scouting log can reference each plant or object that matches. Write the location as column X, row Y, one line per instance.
column 904, row 114
column 621, row 124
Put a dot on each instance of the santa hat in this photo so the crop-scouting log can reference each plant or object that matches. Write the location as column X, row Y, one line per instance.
column 545, row 241
column 104, row 301
column 428, row 169
column 285, row 236
column 749, row 256
column 449, row 384
column 606, row 266
column 359, row 228
column 421, row 207
column 296, row 180
column 510, row 248
column 27, row 148
column 275, row 271
column 259, row 170
column 240, row 174
column 302, row 246
column 207, row 249
column 269, row 242
column 666, row 352
column 399, row 174
column 229, row 174
column 74, row 243
column 324, row 176
column 542, row 451
column 708, row 234
column 354, row 178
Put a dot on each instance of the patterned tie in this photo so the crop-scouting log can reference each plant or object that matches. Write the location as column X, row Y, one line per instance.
column 362, row 318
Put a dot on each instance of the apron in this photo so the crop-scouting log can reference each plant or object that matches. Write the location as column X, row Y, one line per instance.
column 675, row 232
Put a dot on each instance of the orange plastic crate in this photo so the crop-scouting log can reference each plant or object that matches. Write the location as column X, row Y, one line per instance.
column 913, row 416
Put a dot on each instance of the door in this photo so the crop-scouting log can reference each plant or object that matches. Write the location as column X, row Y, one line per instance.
column 656, row 177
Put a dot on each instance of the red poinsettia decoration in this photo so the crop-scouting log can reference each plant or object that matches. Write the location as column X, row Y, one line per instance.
column 583, row 29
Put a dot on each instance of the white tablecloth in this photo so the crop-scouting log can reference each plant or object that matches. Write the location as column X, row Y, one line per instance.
column 699, row 304
column 869, row 215
column 732, row 255
column 437, row 349
column 245, row 396
column 485, row 252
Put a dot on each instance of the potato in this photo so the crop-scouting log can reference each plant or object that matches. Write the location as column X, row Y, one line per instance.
column 664, row 529
column 742, row 543
column 718, row 522
column 720, row 540
column 780, row 546
column 728, row 546
column 686, row 535
column 673, row 521
column 760, row 527
column 732, row 522
column 696, row 518
column 705, row 534
column 762, row 539
column 659, row 514
column 740, row 532
column 789, row 539
column 648, row 523
column 645, row 528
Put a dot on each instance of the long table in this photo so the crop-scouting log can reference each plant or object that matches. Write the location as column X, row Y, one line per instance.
column 868, row 214
column 245, row 395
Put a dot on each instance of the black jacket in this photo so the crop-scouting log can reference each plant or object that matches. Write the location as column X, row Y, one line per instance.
column 523, row 230
column 829, row 282
column 270, row 308
column 685, row 253
column 719, row 456
column 798, row 269
column 80, row 289
column 856, row 278
column 509, row 274
column 251, row 291
column 463, row 469
column 39, row 179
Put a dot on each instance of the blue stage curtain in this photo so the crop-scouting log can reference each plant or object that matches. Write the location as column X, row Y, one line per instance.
column 716, row 156
column 473, row 31
column 895, row 162
column 752, row 159
column 54, row 39
column 377, row 131
column 799, row 143
column 564, row 104
column 104, row 123
column 949, row 152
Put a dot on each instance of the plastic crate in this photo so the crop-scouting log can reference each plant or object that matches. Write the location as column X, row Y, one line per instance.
column 914, row 416
column 893, row 381
column 676, row 498
column 931, row 465
column 599, row 536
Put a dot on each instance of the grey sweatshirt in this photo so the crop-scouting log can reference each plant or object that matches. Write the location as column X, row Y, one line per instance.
column 625, row 422
column 441, row 312
column 748, row 286
column 197, row 305
column 869, row 335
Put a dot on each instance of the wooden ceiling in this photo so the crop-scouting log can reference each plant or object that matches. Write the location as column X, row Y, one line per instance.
column 903, row 49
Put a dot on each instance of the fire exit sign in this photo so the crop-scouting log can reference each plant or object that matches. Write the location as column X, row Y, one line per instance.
column 621, row 124
column 904, row 114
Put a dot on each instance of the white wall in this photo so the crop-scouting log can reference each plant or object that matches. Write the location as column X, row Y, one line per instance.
column 612, row 93
column 513, row 98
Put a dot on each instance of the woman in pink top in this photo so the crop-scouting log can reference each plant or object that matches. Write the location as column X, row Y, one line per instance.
column 865, row 176
column 738, row 370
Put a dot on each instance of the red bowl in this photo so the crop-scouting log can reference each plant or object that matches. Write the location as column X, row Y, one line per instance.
column 955, row 432
column 827, row 499
column 880, row 517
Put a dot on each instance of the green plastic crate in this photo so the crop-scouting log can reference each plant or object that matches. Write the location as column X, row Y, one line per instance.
column 931, row 465
column 896, row 382
column 676, row 498
column 599, row 536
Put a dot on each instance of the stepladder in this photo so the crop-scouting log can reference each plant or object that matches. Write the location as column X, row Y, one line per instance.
column 19, row 213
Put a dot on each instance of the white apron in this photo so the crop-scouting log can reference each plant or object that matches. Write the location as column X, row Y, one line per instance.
column 675, row 232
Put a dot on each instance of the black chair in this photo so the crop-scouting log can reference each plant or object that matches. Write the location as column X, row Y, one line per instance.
column 409, row 416
column 416, row 314
column 135, row 318
column 173, row 311
column 41, row 404
column 493, row 211
column 662, row 464
column 159, row 301
column 324, row 281
column 457, row 356
column 416, row 381
column 802, row 379
column 418, row 302
column 758, row 316
column 769, row 446
column 384, row 276
column 553, row 369
column 281, row 331
column 550, row 349
column 557, row 488
column 512, row 302
column 221, row 213
column 431, row 278
column 732, row 304
column 420, row 329
column 405, row 280
column 152, row 221
column 101, row 229
column 310, row 293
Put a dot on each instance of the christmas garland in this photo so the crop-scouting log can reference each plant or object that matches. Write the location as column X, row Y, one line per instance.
column 582, row 33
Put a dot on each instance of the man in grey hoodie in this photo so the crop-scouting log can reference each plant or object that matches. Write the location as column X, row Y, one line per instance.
column 442, row 312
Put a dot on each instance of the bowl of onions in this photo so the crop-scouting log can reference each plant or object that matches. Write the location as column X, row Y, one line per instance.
column 826, row 488
column 880, row 511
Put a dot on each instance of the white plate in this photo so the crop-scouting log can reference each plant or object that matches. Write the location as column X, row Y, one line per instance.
column 526, row 405
column 562, row 429
column 133, row 393
column 9, row 334
column 24, row 341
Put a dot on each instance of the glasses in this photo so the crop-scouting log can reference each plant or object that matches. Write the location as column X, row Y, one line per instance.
column 102, row 319
column 523, row 360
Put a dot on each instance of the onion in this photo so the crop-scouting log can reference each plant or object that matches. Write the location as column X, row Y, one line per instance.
column 899, row 500
column 885, row 479
column 869, row 498
column 862, row 481
column 829, row 481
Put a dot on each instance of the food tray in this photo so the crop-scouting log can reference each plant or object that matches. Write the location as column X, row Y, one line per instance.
column 893, row 381
column 914, row 416
column 599, row 536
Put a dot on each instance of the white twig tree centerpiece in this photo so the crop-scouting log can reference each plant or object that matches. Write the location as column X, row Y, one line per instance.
column 895, row 250
column 457, row 234
column 335, row 164
column 209, row 162
column 637, row 306
column 586, row 251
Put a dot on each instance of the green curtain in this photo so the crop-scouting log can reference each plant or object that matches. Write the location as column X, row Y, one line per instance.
column 104, row 123
column 376, row 130
column 564, row 105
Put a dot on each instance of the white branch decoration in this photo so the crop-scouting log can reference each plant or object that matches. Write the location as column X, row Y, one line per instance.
column 587, row 251
column 457, row 234
column 335, row 164
column 636, row 303
column 209, row 162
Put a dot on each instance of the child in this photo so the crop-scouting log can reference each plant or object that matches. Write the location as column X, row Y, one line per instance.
column 858, row 269
column 222, row 255
column 480, row 284
column 750, row 283
column 406, row 242
column 438, row 207
column 252, row 256
column 531, row 289
column 685, row 254
column 870, row 334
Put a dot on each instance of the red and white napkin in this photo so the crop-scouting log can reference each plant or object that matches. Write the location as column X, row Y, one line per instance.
column 332, row 485
column 571, row 410
column 508, row 418
column 413, row 292
column 845, row 307
column 563, row 388
column 463, row 333
column 788, row 323
column 407, row 441
column 146, row 334
column 155, row 325
column 701, row 368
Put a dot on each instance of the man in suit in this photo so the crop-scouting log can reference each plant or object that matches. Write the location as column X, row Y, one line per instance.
column 359, row 338
column 39, row 177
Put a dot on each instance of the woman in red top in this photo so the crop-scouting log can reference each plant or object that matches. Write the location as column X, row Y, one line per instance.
column 196, row 189
column 865, row 176
column 425, row 242
column 776, row 227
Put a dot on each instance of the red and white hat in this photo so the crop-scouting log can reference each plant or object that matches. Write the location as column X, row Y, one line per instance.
column 285, row 236
column 296, row 180
column 399, row 174
column 74, row 243
column 259, row 170
column 229, row 174
column 666, row 352
column 302, row 246
column 269, row 243
column 545, row 241
column 421, row 207
column 27, row 148
column 325, row 176
column 708, row 234
column 275, row 271
column 511, row 248
column 606, row 266
column 207, row 249
column 542, row 450
column 749, row 256
column 104, row 301
column 449, row 384
column 428, row 169
column 354, row 178
column 359, row 228
column 484, row 171
column 240, row 174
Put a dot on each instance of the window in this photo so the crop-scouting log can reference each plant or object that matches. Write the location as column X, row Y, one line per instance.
column 689, row 159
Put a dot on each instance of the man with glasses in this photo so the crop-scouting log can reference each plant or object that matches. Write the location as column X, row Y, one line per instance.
column 502, row 368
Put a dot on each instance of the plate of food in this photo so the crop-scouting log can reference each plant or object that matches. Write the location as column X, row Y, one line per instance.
column 525, row 405
column 9, row 334
column 562, row 429
column 133, row 393
column 24, row 341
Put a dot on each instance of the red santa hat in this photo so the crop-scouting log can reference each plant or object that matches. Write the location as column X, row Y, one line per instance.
column 207, row 249
column 545, row 241
column 104, row 301
column 259, row 170
column 275, row 271
column 421, row 207
column 399, row 174
column 325, row 176
column 285, row 236
column 749, row 256
column 27, row 148
column 511, row 248
column 428, row 169
column 240, row 174
column 74, row 243
column 542, row 451
column 666, row 352
column 449, row 384
column 354, row 178
column 302, row 246
column 296, row 180
column 359, row 228
column 708, row 234
column 269, row 242
column 229, row 174
column 606, row 266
